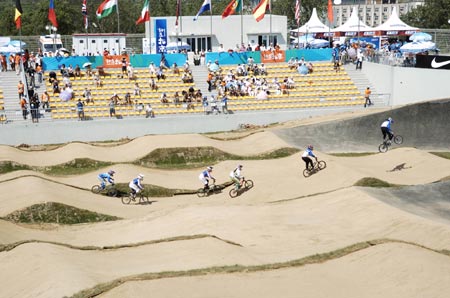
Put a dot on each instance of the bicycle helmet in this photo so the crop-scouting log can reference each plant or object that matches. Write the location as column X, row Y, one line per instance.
column 390, row 119
column 209, row 168
column 239, row 166
column 111, row 172
column 310, row 147
column 141, row 176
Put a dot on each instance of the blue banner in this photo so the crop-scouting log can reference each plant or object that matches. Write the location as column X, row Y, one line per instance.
column 161, row 35
column 55, row 63
column 373, row 42
column 145, row 60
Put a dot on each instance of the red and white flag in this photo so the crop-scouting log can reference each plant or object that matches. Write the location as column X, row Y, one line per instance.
column 297, row 12
column 260, row 11
column 145, row 13
column 85, row 14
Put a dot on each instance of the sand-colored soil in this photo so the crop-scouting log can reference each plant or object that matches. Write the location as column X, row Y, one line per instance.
column 284, row 217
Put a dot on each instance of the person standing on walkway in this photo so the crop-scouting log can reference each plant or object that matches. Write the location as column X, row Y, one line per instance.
column 23, row 106
column 367, row 93
column 20, row 89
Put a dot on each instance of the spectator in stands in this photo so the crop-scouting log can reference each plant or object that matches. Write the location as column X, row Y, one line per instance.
column 187, row 77
column 224, row 104
column 221, row 49
column 80, row 110
column 249, row 48
column 97, row 80
column 20, row 89
column 12, row 62
column 39, row 73
column 66, row 81
column 138, row 106
column 63, row 70
column 163, row 62
column 302, row 69
column 128, row 100
column 124, row 67
column 176, row 99
column 153, row 85
column 310, row 67
column 115, row 98
column 77, row 71
column 130, row 72
column 55, row 87
column 137, row 90
column 24, row 107
column 149, row 111
column 17, row 60
column 34, row 108
column 112, row 107
column 262, row 95
column 209, row 81
column 152, row 69
column 87, row 94
column 164, row 99
column 45, row 99
column 160, row 74
column 175, row 69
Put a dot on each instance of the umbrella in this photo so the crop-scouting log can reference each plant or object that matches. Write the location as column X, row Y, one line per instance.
column 9, row 49
column 319, row 43
column 420, row 36
column 175, row 46
column 418, row 47
column 64, row 50
column 87, row 64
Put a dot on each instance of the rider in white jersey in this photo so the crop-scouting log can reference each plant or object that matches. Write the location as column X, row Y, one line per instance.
column 386, row 129
column 236, row 176
column 306, row 157
column 135, row 185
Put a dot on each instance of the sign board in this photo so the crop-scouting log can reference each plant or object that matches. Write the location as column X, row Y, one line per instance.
column 273, row 56
column 161, row 35
column 111, row 61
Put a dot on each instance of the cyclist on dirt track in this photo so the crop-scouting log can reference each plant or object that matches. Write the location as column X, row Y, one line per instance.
column 106, row 177
column 135, row 185
column 205, row 176
column 306, row 157
column 386, row 129
column 236, row 176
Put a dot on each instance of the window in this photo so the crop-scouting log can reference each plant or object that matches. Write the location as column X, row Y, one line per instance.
column 93, row 40
column 105, row 41
column 81, row 41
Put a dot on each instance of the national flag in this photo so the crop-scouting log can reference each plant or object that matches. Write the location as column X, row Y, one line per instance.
column 178, row 12
column 106, row 8
column 297, row 12
column 232, row 8
column 205, row 7
column 18, row 15
column 52, row 14
column 330, row 11
column 260, row 10
column 85, row 14
column 145, row 13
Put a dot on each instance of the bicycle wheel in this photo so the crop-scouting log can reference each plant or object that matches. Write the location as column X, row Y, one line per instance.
column 383, row 147
column 96, row 189
column 233, row 192
column 143, row 199
column 306, row 173
column 126, row 200
column 322, row 165
column 201, row 193
column 112, row 192
column 248, row 184
column 398, row 139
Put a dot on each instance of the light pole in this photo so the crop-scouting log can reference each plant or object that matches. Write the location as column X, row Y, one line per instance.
column 306, row 39
column 50, row 30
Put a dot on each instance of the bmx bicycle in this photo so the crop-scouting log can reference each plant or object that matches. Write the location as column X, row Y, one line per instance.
column 213, row 188
column 398, row 139
column 246, row 185
column 110, row 189
column 317, row 166
column 132, row 197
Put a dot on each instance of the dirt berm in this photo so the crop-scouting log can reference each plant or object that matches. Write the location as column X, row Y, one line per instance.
column 423, row 125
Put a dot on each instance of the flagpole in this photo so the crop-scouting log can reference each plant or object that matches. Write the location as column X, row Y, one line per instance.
column 242, row 21
column 118, row 18
column 211, row 33
column 298, row 24
column 150, row 28
column 270, row 8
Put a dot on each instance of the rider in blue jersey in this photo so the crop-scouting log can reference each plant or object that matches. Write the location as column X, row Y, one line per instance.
column 205, row 176
column 386, row 129
column 135, row 185
column 106, row 177
column 306, row 157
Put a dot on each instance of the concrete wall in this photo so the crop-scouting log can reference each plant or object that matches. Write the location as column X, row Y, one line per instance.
column 408, row 85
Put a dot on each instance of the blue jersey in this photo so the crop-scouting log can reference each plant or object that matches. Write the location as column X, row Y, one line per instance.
column 137, row 182
column 308, row 152
column 387, row 123
column 206, row 174
column 106, row 176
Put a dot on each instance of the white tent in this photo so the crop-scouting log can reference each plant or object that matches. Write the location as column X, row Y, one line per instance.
column 354, row 25
column 314, row 25
column 394, row 26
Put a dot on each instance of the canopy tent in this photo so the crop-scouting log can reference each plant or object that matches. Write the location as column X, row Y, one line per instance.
column 421, row 36
column 354, row 26
column 314, row 25
column 395, row 26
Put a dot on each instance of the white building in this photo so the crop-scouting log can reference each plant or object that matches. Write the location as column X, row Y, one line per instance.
column 373, row 13
column 208, row 32
column 83, row 44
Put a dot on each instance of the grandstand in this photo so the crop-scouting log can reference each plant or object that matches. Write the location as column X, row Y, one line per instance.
column 323, row 88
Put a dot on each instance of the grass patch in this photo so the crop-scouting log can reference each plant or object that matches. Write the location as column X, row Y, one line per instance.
column 75, row 167
column 352, row 154
column 373, row 182
column 9, row 166
column 442, row 154
column 151, row 190
column 195, row 157
column 58, row 213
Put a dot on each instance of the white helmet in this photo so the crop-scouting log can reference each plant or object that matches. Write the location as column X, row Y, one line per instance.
column 141, row 176
column 209, row 168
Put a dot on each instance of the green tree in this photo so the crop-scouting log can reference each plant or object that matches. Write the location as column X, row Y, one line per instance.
column 434, row 14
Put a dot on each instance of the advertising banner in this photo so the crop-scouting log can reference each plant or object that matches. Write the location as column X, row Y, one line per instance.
column 433, row 61
column 161, row 35
column 274, row 56
column 114, row 61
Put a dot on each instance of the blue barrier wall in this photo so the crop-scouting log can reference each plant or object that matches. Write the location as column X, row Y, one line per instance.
column 54, row 63
column 225, row 58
